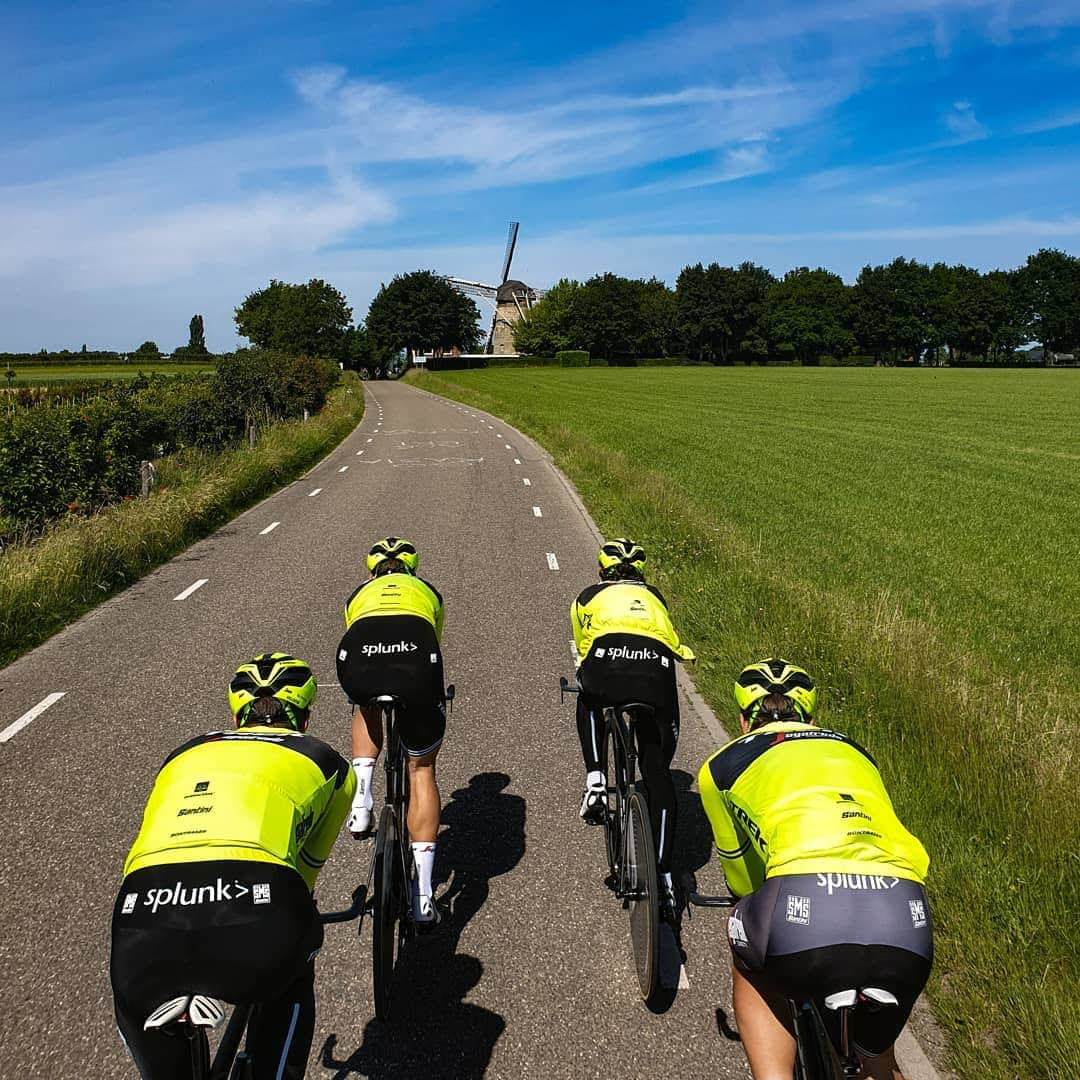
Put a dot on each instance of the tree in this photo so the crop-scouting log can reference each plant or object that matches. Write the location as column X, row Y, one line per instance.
column 608, row 317
column 550, row 325
column 722, row 309
column 892, row 310
column 306, row 319
column 422, row 311
column 196, row 335
column 1048, row 286
column 147, row 353
column 810, row 312
column 359, row 352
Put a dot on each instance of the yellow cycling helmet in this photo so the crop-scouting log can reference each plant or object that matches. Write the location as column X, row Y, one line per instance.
column 619, row 553
column 277, row 675
column 773, row 676
column 393, row 547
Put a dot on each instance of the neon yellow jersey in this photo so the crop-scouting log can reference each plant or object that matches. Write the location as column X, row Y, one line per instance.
column 788, row 798
column 623, row 607
column 396, row 594
column 262, row 794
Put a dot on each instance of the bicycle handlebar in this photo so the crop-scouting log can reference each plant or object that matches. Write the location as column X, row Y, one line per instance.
column 698, row 900
column 359, row 896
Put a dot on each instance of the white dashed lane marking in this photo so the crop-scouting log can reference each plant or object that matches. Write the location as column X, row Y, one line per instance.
column 13, row 729
column 537, row 512
column 359, row 452
column 191, row 588
column 508, row 446
column 371, row 440
column 270, row 528
column 517, row 461
column 312, row 494
column 344, row 468
column 553, row 563
column 526, row 481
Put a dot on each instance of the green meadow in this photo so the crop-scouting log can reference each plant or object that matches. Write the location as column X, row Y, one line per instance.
column 912, row 537
column 69, row 373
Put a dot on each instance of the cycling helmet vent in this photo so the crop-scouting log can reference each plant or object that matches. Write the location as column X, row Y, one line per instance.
column 393, row 547
column 277, row 675
column 775, row 676
column 621, row 552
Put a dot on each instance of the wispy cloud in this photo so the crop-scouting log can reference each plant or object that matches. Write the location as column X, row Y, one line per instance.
column 962, row 122
column 1056, row 122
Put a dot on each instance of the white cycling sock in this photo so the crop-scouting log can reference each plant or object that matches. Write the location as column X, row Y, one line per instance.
column 364, row 767
column 424, row 857
column 595, row 779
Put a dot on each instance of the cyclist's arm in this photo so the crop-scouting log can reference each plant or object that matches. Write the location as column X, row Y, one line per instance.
column 320, row 841
column 742, row 867
column 440, row 615
column 575, row 626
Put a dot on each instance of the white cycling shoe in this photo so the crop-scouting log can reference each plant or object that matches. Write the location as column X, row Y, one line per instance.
column 425, row 911
column 360, row 819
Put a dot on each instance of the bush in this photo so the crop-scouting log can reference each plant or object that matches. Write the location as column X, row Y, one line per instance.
column 521, row 361
column 572, row 358
column 78, row 451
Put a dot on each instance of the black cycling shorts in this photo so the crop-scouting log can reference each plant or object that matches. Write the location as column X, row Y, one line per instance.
column 397, row 655
column 234, row 929
column 625, row 668
column 817, row 934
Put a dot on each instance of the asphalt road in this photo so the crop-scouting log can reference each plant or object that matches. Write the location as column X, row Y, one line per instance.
column 531, row 976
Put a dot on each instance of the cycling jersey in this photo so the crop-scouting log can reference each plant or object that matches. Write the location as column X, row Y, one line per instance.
column 396, row 594
column 623, row 607
column 788, row 798
column 259, row 794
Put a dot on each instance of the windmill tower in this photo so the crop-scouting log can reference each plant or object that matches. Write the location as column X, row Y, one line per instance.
column 509, row 300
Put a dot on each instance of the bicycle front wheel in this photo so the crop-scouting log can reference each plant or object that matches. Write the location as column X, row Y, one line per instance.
column 641, row 894
column 386, row 886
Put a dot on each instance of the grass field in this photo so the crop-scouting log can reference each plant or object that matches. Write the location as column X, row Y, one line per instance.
column 913, row 538
column 61, row 373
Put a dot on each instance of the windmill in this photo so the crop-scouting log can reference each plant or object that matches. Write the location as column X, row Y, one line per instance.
column 509, row 300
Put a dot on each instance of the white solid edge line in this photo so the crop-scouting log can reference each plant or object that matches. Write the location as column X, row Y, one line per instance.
column 311, row 494
column 270, row 528
column 553, row 563
column 14, row 728
column 191, row 588
column 344, row 468
column 526, row 481
column 537, row 512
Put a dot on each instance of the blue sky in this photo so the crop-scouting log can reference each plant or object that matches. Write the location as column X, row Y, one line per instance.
column 163, row 159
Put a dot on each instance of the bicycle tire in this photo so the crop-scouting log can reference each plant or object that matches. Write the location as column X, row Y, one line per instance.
column 641, row 897
column 813, row 1059
column 614, row 769
column 386, row 915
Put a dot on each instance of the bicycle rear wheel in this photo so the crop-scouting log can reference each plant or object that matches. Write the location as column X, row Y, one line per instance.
column 614, row 768
column 641, row 896
column 386, row 887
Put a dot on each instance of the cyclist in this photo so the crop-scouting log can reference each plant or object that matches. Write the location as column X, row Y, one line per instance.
column 830, row 880
column 216, row 897
column 628, row 649
column 394, row 624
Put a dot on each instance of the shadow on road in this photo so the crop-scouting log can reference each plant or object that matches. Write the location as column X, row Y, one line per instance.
column 433, row 1032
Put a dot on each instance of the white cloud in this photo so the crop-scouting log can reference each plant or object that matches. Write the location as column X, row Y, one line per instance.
column 963, row 124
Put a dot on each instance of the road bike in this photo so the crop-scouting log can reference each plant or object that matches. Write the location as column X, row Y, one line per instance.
column 631, row 853
column 817, row 1057
column 392, row 869
column 193, row 1017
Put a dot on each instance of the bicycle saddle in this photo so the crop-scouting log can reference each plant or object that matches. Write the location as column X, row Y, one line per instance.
column 196, row 1010
column 847, row 999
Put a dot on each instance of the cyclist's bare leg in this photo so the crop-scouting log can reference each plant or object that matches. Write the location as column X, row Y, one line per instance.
column 763, row 1016
column 882, row 1067
column 424, row 804
column 367, row 731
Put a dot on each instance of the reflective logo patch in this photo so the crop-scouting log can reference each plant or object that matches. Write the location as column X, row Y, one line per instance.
column 798, row 910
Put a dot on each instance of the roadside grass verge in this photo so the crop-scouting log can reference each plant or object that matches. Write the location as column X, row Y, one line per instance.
column 801, row 513
column 77, row 563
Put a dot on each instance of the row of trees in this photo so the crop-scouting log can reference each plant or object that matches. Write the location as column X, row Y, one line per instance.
column 904, row 310
column 415, row 311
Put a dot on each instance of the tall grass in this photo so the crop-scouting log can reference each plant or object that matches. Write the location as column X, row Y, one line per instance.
column 912, row 538
column 76, row 564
